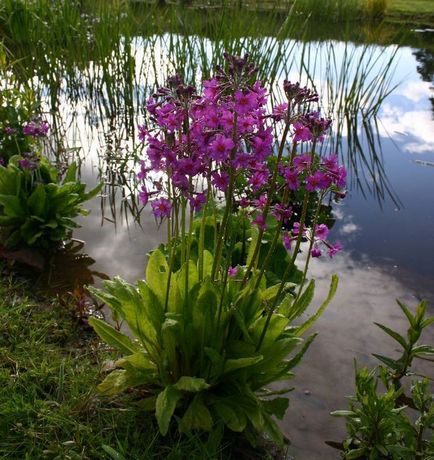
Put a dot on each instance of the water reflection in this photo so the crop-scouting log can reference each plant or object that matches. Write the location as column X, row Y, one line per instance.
column 365, row 295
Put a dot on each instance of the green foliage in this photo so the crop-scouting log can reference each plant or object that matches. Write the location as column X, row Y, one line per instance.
column 49, row 364
column 203, row 353
column 35, row 209
column 378, row 424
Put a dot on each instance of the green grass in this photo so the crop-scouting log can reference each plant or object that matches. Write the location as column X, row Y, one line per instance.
column 416, row 11
column 50, row 364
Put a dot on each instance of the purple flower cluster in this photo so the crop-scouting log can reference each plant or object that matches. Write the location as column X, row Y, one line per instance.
column 36, row 129
column 221, row 141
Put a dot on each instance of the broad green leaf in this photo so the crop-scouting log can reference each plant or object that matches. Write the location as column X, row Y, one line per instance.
column 332, row 291
column 91, row 193
column 113, row 337
column 157, row 274
column 125, row 299
column 271, row 428
column 71, row 173
column 137, row 361
column 234, row 364
column 193, row 277
column 191, row 384
column 234, row 419
column 36, row 201
column 208, row 260
column 120, row 380
column 204, row 310
column 165, row 407
column 300, row 306
column 12, row 206
column 276, row 406
column 276, row 325
column 197, row 416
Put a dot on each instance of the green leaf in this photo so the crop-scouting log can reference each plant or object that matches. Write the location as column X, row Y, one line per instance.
column 208, row 260
column 91, row 193
column 36, row 201
column 197, row 416
column 303, row 302
column 165, row 407
column 193, row 277
column 120, row 380
column 395, row 365
column 254, row 233
column 191, row 384
column 234, row 364
column 138, row 361
column 355, row 453
column 343, row 413
column 12, row 206
column 113, row 453
column 407, row 313
column 113, row 337
column 276, row 406
column 71, row 173
column 297, row 358
column 332, row 291
column 235, row 420
column 399, row 338
column 157, row 274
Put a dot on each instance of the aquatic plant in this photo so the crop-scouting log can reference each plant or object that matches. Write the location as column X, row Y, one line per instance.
column 209, row 336
column 379, row 424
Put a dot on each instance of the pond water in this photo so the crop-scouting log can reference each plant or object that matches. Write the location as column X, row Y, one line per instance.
column 381, row 98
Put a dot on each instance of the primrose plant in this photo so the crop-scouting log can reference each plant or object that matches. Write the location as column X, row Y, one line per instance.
column 213, row 320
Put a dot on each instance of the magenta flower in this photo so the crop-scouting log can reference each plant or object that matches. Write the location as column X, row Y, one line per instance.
column 221, row 147
column 318, row 181
column 211, row 88
column 301, row 133
column 143, row 132
column 245, row 102
column 221, row 181
column 261, row 201
column 244, row 202
column 259, row 220
column 34, row 129
column 291, row 178
column 282, row 213
column 321, row 231
column 161, row 208
column 334, row 249
column 316, row 252
column 9, row 131
column 232, row 272
column 27, row 164
column 279, row 112
column 143, row 196
column 286, row 240
column 198, row 201
column 258, row 180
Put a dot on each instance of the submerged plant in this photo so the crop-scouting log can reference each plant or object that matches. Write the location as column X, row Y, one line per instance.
column 213, row 320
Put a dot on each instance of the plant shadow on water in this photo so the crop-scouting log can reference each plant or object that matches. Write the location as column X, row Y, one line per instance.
column 95, row 96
